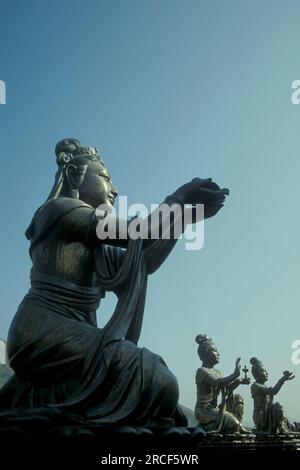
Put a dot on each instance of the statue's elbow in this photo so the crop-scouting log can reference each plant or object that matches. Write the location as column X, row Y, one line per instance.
column 151, row 268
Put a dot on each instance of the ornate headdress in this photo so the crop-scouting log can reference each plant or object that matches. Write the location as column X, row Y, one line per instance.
column 66, row 151
column 257, row 366
column 205, row 344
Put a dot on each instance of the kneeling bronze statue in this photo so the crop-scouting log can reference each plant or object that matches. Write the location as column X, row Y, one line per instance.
column 268, row 416
column 227, row 417
column 61, row 359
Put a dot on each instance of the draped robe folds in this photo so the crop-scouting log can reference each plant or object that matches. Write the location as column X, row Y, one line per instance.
column 209, row 416
column 62, row 360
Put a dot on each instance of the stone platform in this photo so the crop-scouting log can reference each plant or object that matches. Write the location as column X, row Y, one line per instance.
column 61, row 439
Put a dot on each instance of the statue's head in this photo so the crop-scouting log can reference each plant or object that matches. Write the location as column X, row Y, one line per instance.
column 207, row 351
column 258, row 371
column 82, row 174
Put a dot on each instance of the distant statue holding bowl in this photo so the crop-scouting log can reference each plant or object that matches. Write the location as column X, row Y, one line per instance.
column 268, row 416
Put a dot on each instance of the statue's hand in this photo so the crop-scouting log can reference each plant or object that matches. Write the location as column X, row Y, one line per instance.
column 201, row 191
column 287, row 375
column 237, row 370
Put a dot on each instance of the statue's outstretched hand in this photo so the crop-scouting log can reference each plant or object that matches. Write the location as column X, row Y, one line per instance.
column 287, row 375
column 237, row 370
column 203, row 191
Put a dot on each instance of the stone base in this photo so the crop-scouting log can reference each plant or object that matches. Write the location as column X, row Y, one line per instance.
column 60, row 439
column 100, row 444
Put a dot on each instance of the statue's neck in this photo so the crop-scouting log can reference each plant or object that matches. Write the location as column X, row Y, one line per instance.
column 207, row 365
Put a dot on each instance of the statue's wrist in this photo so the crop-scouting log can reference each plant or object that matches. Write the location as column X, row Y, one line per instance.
column 172, row 199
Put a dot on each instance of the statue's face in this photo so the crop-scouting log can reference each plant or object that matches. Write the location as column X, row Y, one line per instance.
column 97, row 187
column 212, row 356
column 262, row 376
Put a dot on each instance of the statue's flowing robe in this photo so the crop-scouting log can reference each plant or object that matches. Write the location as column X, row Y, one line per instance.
column 209, row 416
column 61, row 358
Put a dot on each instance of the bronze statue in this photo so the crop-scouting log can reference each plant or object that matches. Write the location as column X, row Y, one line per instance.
column 268, row 416
column 210, row 384
column 60, row 357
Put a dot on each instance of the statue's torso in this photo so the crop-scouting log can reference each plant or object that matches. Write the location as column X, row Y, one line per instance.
column 206, row 392
column 65, row 258
column 260, row 396
column 60, row 246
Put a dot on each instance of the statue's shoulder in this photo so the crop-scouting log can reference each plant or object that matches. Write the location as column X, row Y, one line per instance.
column 62, row 205
column 50, row 214
column 57, row 208
column 202, row 373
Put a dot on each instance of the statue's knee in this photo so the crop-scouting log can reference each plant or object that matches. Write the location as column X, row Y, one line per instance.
column 233, row 423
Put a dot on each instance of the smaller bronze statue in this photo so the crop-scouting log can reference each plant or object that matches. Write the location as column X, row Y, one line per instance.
column 227, row 417
column 268, row 416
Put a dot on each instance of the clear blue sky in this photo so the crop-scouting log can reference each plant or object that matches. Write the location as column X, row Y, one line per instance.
column 169, row 90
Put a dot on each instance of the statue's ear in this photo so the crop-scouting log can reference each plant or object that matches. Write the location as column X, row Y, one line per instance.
column 75, row 175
